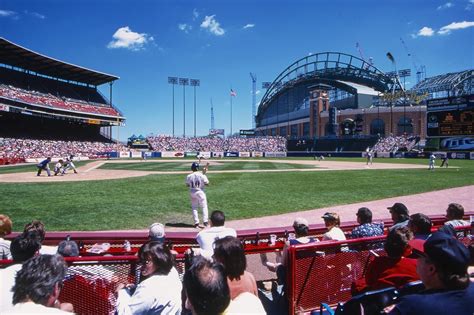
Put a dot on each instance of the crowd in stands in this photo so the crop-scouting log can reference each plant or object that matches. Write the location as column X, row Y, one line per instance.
column 216, row 144
column 395, row 143
column 216, row 280
column 56, row 102
column 33, row 148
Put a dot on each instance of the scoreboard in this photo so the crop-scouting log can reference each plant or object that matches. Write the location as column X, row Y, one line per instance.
column 450, row 123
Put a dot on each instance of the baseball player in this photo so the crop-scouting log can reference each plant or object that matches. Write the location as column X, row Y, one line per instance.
column 445, row 161
column 44, row 166
column 58, row 167
column 200, row 156
column 69, row 165
column 432, row 162
column 196, row 181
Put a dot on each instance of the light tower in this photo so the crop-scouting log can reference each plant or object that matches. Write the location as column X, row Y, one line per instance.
column 254, row 97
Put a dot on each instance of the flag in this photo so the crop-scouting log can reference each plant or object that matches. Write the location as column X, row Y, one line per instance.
column 232, row 93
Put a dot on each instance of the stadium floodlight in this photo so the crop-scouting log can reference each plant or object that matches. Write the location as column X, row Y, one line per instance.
column 184, row 82
column 194, row 83
column 173, row 81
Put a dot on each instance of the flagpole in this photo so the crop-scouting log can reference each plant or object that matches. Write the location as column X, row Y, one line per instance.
column 231, row 115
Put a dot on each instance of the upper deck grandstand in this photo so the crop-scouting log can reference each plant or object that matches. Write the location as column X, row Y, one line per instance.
column 45, row 98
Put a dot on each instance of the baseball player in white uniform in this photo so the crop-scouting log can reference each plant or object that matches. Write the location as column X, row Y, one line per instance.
column 58, row 167
column 196, row 181
column 68, row 164
column 432, row 162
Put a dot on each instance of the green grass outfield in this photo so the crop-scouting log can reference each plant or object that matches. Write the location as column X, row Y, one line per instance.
column 134, row 203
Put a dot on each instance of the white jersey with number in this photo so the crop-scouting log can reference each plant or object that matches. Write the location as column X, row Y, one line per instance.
column 196, row 181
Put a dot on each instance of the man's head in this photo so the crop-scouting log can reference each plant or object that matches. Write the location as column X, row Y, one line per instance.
column 420, row 224
column 36, row 226
column 68, row 248
column 5, row 225
column 195, row 166
column 40, row 280
column 396, row 244
column 399, row 212
column 455, row 211
column 301, row 227
column 364, row 215
column 25, row 246
column 442, row 262
column 156, row 232
column 206, row 287
column 217, row 218
column 229, row 251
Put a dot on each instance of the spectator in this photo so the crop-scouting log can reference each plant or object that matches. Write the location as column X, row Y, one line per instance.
column 455, row 214
column 229, row 251
column 393, row 270
column 156, row 233
column 5, row 229
column 442, row 266
column 206, row 237
column 23, row 247
column 68, row 248
column 332, row 222
column 399, row 214
column 420, row 225
column 37, row 286
column 38, row 226
column 366, row 227
column 159, row 291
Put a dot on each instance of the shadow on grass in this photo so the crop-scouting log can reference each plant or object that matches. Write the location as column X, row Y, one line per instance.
column 180, row 224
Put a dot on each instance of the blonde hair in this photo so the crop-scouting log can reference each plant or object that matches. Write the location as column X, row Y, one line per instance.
column 5, row 225
column 335, row 218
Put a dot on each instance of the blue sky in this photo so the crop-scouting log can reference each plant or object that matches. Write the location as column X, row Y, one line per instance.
column 220, row 42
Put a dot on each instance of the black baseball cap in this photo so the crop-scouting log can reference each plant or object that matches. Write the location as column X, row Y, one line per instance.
column 398, row 208
column 443, row 249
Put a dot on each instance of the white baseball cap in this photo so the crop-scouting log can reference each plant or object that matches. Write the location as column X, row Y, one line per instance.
column 157, row 232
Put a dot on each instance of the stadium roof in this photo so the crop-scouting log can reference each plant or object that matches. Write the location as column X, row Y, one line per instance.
column 17, row 56
column 443, row 82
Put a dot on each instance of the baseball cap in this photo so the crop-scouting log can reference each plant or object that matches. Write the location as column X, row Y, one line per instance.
column 330, row 216
column 398, row 208
column 443, row 249
column 195, row 166
column 157, row 232
column 300, row 221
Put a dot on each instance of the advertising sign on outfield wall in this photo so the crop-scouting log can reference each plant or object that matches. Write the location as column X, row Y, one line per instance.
column 217, row 154
column 471, row 155
column 205, row 155
column 169, row 154
column 244, row 154
column 190, row 154
column 460, row 155
column 4, row 108
column 383, row 154
column 136, row 154
column 124, row 154
column 257, row 154
column 231, row 154
column 275, row 154
column 148, row 154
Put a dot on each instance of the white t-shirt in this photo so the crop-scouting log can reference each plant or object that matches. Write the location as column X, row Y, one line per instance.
column 334, row 234
column 7, row 277
column 207, row 237
column 245, row 303
column 196, row 181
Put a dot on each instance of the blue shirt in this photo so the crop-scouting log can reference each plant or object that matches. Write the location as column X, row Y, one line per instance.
column 457, row 302
column 366, row 230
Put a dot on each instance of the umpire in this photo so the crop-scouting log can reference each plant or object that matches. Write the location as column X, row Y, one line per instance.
column 44, row 166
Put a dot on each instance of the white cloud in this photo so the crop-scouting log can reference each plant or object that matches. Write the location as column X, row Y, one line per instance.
column 35, row 14
column 248, row 26
column 257, row 92
column 447, row 5
column 426, row 31
column 211, row 24
column 185, row 27
column 445, row 30
column 124, row 37
column 5, row 13
column 195, row 14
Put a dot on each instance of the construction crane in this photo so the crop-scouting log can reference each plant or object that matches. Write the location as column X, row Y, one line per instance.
column 212, row 115
column 420, row 70
column 254, row 97
column 370, row 62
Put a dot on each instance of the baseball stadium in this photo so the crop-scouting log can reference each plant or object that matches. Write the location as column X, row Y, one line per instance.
column 333, row 135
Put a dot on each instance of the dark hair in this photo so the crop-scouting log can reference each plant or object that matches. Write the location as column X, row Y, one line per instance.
column 365, row 215
column 25, row 246
column 455, row 211
column 217, row 218
column 68, row 248
column 421, row 222
column 159, row 254
column 451, row 278
column 206, row 287
column 397, row 242
column 229, row 251
column 37, row 226
column 37, row 279
column 301, row 230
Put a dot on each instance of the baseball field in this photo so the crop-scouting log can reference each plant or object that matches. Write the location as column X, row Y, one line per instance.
column 131, row 194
